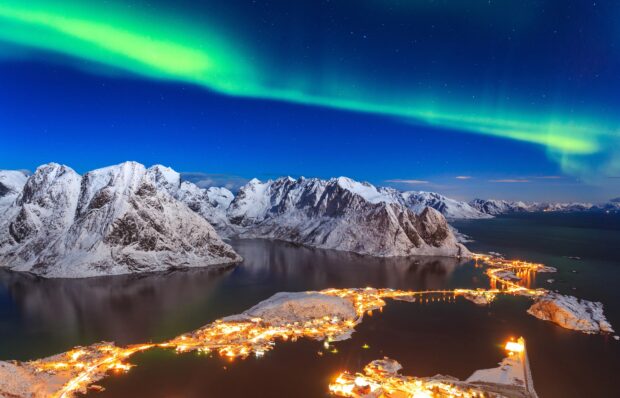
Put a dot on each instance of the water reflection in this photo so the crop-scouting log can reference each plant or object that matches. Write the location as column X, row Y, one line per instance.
column 45, row 316
column 42, row 317
column 55, row 313
column 318, row 269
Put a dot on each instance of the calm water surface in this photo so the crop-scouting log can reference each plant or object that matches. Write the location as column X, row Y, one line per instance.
column 42, row 317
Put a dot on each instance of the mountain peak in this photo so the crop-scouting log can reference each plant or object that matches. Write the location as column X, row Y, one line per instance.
column 113, row 220
column 164, row 177
column 364, row 189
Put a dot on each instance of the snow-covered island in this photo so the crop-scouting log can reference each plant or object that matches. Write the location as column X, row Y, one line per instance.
column 571, row 313
column 329, row 315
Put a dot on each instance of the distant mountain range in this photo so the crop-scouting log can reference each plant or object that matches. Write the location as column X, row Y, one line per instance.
column 497, row 207
column 339, row 214
column 128, row 218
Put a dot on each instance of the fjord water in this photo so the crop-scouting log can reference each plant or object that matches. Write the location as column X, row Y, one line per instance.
column 42, row 317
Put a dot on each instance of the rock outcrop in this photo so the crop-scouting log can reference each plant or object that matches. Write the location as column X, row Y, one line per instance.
column 571, row 313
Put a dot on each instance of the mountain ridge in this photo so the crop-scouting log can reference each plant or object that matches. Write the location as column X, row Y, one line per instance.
column 110, row 221
column 128, row 218
column 341, row 214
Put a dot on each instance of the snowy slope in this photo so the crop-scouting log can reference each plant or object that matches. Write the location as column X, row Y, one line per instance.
column 11, row 184
column 254, row 203
column 450, row 208
column 42, row 212
column 369, row 192
column 495, row 207
column 210, row 203
column 612, row 206
column 113, row 220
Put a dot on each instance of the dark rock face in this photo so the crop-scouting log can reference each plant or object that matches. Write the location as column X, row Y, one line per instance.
column 432, row 227
column 102, row 198
column 125, row 232
column 22, row 227
column 4, row 190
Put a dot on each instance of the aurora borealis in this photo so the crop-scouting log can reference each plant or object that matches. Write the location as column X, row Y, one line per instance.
column 540, row 73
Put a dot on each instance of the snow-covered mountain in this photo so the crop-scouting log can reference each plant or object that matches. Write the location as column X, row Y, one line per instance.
column 113, row 220
column 562, row 207
column 496, row 207
column 11, row 184
column 210, row 203
column 414, row 200
column 127, row 218
column 450, row 208
column 340, row 214
column 612, row 206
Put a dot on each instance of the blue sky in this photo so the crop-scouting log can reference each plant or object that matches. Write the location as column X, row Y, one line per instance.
column 549, row 64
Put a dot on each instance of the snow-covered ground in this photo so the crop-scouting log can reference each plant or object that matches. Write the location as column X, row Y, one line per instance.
column 512, row 376
column 571, row 313
column 382, row 378
column 285, row 308
column 11, row 184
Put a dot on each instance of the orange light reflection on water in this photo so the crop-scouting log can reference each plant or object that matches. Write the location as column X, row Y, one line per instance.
column 241, row 338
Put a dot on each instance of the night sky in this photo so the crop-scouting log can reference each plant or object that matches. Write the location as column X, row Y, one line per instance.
column 508, row 99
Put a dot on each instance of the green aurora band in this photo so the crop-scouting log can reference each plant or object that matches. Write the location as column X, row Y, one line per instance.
column 156, row 47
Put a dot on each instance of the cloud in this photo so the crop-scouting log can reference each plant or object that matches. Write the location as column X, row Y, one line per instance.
column 463, row 177
column 511, row 180
column 410, row 182
column 549, row 177
column 207, row 180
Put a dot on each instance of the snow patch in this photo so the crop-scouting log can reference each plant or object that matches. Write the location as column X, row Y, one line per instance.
column 285, row 308
column 571, row 313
